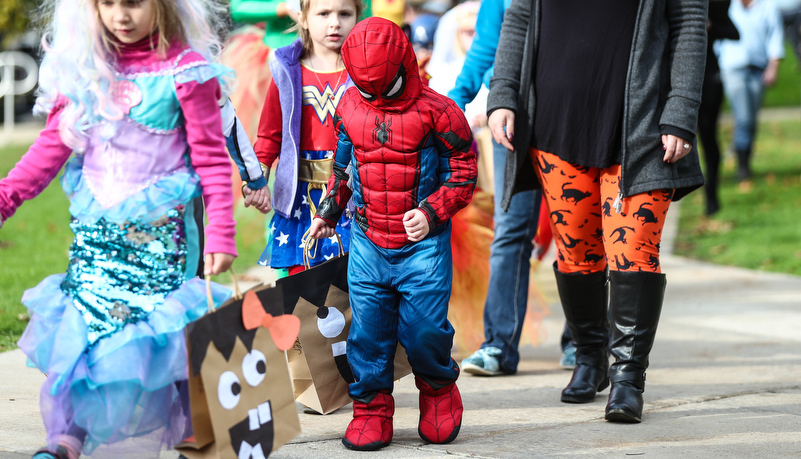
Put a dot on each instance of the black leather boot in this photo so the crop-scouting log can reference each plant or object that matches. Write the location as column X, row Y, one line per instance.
column 743, row 164
column 711, row 193
column 584, row 298
column 635, row 302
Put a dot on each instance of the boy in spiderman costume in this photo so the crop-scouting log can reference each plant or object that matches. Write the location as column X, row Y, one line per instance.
column 413, row 169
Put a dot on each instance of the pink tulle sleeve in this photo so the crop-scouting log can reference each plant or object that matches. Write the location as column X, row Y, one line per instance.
column 37, row 168
column 210, row 160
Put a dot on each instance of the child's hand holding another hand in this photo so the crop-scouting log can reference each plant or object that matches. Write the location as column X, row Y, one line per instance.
column 260, row 199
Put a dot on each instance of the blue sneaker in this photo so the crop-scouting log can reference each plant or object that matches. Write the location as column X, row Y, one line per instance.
column 484, row 362
column 568, row 360
column 61, row 453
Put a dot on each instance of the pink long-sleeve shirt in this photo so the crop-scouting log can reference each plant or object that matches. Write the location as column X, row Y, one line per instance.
column 48, row 154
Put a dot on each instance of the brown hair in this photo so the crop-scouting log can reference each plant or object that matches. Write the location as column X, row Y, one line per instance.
column 305, row 37
column 166, row 23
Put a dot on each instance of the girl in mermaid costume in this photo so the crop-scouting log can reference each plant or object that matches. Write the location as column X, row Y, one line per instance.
column 131, row 89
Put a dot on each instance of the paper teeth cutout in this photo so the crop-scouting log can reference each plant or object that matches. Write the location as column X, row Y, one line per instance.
column 259, row 416
column 339, row 348
column 250, row 452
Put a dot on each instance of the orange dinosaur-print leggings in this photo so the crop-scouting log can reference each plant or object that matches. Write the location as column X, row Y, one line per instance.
column 588, row 231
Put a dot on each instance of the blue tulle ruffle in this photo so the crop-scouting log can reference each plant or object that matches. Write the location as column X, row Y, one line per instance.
column 148, row 204
column 124, row 385
column 207, row 71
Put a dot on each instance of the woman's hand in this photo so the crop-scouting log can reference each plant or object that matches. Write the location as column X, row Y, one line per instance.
column 260, row 199
column 502, row 126
column 416, row 225
column 675, row 148
column 320, row 229
column 217, row 263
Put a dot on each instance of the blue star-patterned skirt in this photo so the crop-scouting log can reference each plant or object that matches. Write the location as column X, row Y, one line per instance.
column 284, row 240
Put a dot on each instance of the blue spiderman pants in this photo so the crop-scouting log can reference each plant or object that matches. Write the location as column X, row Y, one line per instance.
column 399, row 295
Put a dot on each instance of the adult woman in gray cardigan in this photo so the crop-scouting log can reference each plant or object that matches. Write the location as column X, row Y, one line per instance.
column 602, row 97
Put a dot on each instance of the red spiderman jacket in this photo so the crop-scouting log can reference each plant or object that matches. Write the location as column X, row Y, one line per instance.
column 409, row 146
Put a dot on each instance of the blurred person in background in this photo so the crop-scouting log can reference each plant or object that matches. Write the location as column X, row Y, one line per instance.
column 263, row 26
column 392, row 10
column 472, row 229
column 421, row 34
column 508, row 286
column 453, row 38
column 747, row 67
column 719, row 26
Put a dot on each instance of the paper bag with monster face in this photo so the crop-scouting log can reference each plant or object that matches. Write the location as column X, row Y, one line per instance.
column 240, row 390
column 318, row 361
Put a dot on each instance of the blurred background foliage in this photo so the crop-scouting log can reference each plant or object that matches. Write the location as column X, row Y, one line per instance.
column 15, row 18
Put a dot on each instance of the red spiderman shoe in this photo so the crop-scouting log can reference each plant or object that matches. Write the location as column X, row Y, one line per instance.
column 440, row 412
column 371, row 427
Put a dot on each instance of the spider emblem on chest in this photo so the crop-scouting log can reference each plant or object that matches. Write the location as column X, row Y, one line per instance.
column 382, row 132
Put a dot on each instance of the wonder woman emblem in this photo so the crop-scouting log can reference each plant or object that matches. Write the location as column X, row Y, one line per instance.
column 324, row 103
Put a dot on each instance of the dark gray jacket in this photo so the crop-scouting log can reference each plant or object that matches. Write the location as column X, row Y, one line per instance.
column 663, row 92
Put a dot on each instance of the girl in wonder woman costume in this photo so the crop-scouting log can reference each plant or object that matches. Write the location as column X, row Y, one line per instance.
column 308, row 82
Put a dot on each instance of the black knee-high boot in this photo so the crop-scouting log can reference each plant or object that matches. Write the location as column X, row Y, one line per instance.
column 635, row 302
column 584, row 298
column 743, row 164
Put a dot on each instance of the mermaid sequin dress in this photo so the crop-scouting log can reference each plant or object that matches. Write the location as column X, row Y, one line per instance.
column 109, row 333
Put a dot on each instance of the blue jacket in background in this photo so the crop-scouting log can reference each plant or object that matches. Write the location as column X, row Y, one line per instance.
column 478, row 63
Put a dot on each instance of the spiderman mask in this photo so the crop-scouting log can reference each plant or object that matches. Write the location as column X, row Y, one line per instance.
column 382, row 64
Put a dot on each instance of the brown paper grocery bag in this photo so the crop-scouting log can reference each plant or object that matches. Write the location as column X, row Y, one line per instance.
column 240, row 384
column 320, row 368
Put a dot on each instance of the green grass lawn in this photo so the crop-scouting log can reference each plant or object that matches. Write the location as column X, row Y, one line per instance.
column 758, row 226
column 787, row 90
column 34, row 244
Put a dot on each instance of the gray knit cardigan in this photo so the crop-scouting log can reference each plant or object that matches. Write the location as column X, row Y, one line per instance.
column 662, row 95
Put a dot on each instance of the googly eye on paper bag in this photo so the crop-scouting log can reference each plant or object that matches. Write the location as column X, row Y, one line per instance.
column 242, row 403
